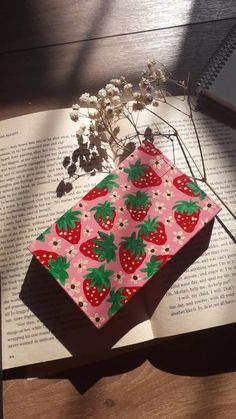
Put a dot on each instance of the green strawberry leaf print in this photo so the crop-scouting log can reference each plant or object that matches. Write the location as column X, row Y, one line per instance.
column 108, row 182
column 58, row 269
column 136, row 170
column 152, row 267
column 41, row 237
column 190, row 207
column 103, row 210
column 99, row 277
column 196, row 190
column 116, row 299
column 105, row 247
column 68, row 220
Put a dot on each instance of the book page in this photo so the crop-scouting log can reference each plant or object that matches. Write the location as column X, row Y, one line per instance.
column 32, row 149
column 205, row 294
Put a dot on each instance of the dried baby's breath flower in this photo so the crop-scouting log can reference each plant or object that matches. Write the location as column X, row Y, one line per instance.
column 109, row 93
column 116, row 100
column 151, row 74
column 84, row 98
column 91, row 128
column 116, row 91
column 144, row 83
column 151, row 63
column 116, row 82
column 106, row 102
column 76, row 107
column 74, row 116
column 109, row 86
column 127, row 87
column 93, row 100
column 93, row 115
column 149, row 88
column 147, row 98
column 80, row 130
column 102, row 93
column 111, row 90
column 100, row 127
column 138, row 106
column 161, row 76
column 109, row 111
column 155, row 102
column 118, row 110
column 137, row 95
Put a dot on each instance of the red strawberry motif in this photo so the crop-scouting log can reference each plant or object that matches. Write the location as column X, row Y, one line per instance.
column 105, row 215
column 152, row 230
column 138, row 205
column 97, row 284
column 128, row 293
column 149, row 148
column 100, row 248
column 187, row 214
column 68, row 226
column 120, row 297
column 103, row 187
column 184, row 184
column 57, row 265
column 45, row 256
column 142, row 175
column 131, row 253
column 163, row 259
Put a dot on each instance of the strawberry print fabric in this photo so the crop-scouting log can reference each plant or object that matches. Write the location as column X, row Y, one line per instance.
column 105, row 248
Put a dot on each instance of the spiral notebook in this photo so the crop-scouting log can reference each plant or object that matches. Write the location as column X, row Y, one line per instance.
column 218, row 80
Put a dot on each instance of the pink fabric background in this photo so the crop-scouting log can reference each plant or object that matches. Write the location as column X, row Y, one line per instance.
column 159, row 196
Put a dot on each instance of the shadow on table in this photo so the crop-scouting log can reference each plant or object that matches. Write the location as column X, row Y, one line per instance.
column 39, row 289
column 202, row 353
column 56, row 310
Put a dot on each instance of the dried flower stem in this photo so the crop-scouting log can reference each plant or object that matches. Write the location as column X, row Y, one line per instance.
column 174, row 107
column 197, row 137
column 220, row 199
column 175, row 133
column 111, row 106
column 183, row 148
column 129, row 118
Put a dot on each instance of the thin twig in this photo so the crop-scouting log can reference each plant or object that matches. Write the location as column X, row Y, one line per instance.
column 174, row 107
column 134, row 126
column 196, row 133
column 175, row 133
column 220, row 199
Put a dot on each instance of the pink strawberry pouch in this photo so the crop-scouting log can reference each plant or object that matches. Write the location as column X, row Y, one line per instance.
column 122, row 232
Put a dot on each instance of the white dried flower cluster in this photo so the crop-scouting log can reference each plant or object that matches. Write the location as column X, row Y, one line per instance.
column 110, row 105
column 74, row 114
column 151, row 86
column 108, row 108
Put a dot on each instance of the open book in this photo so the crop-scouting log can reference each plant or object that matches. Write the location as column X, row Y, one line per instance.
column 38, row 327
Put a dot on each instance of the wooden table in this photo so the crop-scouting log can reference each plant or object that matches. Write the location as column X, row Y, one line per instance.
column 51, row 52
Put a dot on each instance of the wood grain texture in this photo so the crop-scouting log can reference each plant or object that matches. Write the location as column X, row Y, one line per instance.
column 55, row 76
column 32, row 24
column 143, row 393
column 178, row 378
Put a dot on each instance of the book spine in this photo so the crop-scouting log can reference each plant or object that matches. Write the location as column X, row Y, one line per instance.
column 216, row 62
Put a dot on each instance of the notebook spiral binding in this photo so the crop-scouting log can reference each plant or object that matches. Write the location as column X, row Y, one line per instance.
column 216, row 62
